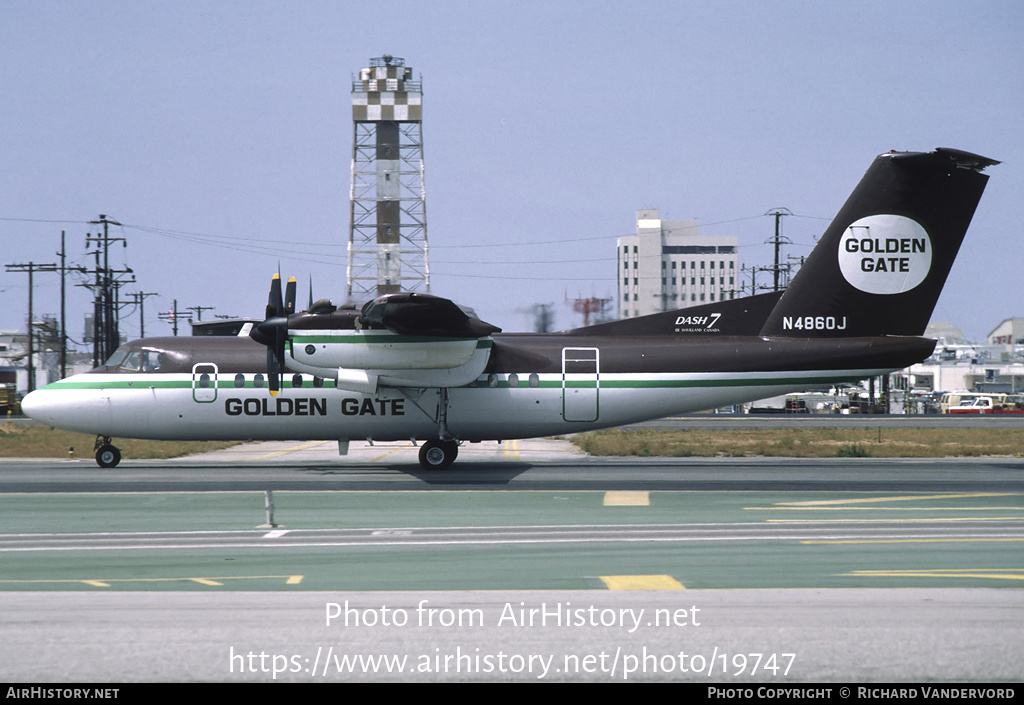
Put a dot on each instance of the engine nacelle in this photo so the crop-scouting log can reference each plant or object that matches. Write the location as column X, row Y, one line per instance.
column 379, row 349
column 362, row 360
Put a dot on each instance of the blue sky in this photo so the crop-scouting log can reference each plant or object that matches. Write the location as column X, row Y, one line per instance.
column 220, row 134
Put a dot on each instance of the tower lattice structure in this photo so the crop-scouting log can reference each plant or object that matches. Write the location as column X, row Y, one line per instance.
column 387, row 248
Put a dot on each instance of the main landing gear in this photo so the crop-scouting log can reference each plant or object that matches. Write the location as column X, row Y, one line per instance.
column 107, row 456
column 438, row 455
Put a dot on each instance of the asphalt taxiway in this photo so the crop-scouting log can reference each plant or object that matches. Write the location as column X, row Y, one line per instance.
column 837, row 570
column 535, row 464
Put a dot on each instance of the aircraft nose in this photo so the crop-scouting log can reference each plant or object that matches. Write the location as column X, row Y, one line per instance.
column 49, row 406
column 34, row 405
column 66, row 406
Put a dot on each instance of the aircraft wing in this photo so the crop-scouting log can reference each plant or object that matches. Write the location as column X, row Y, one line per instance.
column 423, row 315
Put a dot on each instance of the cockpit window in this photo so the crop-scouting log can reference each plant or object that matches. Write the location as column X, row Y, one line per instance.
column 151, row 360
column 119, row 355
column 132, row 363
column 126, row 360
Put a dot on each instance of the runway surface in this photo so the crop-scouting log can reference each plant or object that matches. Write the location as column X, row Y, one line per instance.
column 536, row 464
column 560, row 566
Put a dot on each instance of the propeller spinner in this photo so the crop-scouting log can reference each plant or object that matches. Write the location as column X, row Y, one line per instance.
column 273, row 331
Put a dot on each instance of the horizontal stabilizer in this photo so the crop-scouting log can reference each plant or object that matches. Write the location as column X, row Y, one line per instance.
column 744, row 316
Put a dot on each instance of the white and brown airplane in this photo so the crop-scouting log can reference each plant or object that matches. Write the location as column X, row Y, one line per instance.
column 418, row 367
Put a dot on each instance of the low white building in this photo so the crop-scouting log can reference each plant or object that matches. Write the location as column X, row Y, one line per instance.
column 14, row 362
column 13, row 346
column 997, row 366
column 982, row 375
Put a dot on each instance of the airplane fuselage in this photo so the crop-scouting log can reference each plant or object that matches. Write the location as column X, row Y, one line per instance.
column 534, row 385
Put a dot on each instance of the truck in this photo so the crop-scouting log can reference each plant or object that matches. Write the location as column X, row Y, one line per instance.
column 990, row 404
column 8, row 401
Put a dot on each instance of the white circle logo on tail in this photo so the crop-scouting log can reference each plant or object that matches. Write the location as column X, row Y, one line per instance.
column 885, row 254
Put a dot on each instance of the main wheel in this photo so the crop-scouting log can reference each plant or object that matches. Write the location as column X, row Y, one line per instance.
column 438, row 455
column 108, row 456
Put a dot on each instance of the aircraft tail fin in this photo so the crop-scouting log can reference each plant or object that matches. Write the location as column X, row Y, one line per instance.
column 881, row 264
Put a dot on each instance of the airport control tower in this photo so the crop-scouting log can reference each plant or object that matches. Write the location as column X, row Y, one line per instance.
column 387, row 248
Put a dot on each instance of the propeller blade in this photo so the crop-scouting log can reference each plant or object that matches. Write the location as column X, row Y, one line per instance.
column 282, row 336
column 275, row 307
column 273, row 371
column 273, row 331
column 289, row 297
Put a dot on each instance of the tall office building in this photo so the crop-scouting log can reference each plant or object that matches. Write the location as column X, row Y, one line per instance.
column 669, row 265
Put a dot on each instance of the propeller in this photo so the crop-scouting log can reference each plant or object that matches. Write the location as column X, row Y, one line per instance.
column 273, row 331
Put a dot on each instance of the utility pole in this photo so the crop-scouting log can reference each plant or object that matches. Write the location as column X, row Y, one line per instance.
column 64, row 269
column 172, row 316
column 199, row 310
column 542, row 317
column 753, row 278
column 140, row 299
column 31, row 268
column 794, row 260
column 778, row 240
column 63, row 293
column 105, row 320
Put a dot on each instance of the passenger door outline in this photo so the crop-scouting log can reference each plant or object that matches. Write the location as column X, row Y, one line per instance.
column 581, row 384
column 204, row 382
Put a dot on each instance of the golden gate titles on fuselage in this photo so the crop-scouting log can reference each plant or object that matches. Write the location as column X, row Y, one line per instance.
column 312, row 406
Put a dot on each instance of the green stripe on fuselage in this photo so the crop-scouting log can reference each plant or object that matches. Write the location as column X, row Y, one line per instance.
column 606, row 381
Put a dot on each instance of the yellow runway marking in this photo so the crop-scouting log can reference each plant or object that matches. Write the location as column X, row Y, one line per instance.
column 276, row 453
column 641, row 582
column 895, row 498
column 923, row 520
column 992, row 573
column 950, row 540
column 888, row 509
column 627, row 498
column 511, row 451
column 393, row 451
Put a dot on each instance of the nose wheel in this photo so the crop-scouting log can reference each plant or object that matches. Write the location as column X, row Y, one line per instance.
column 438, row 455
column 107, row 456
